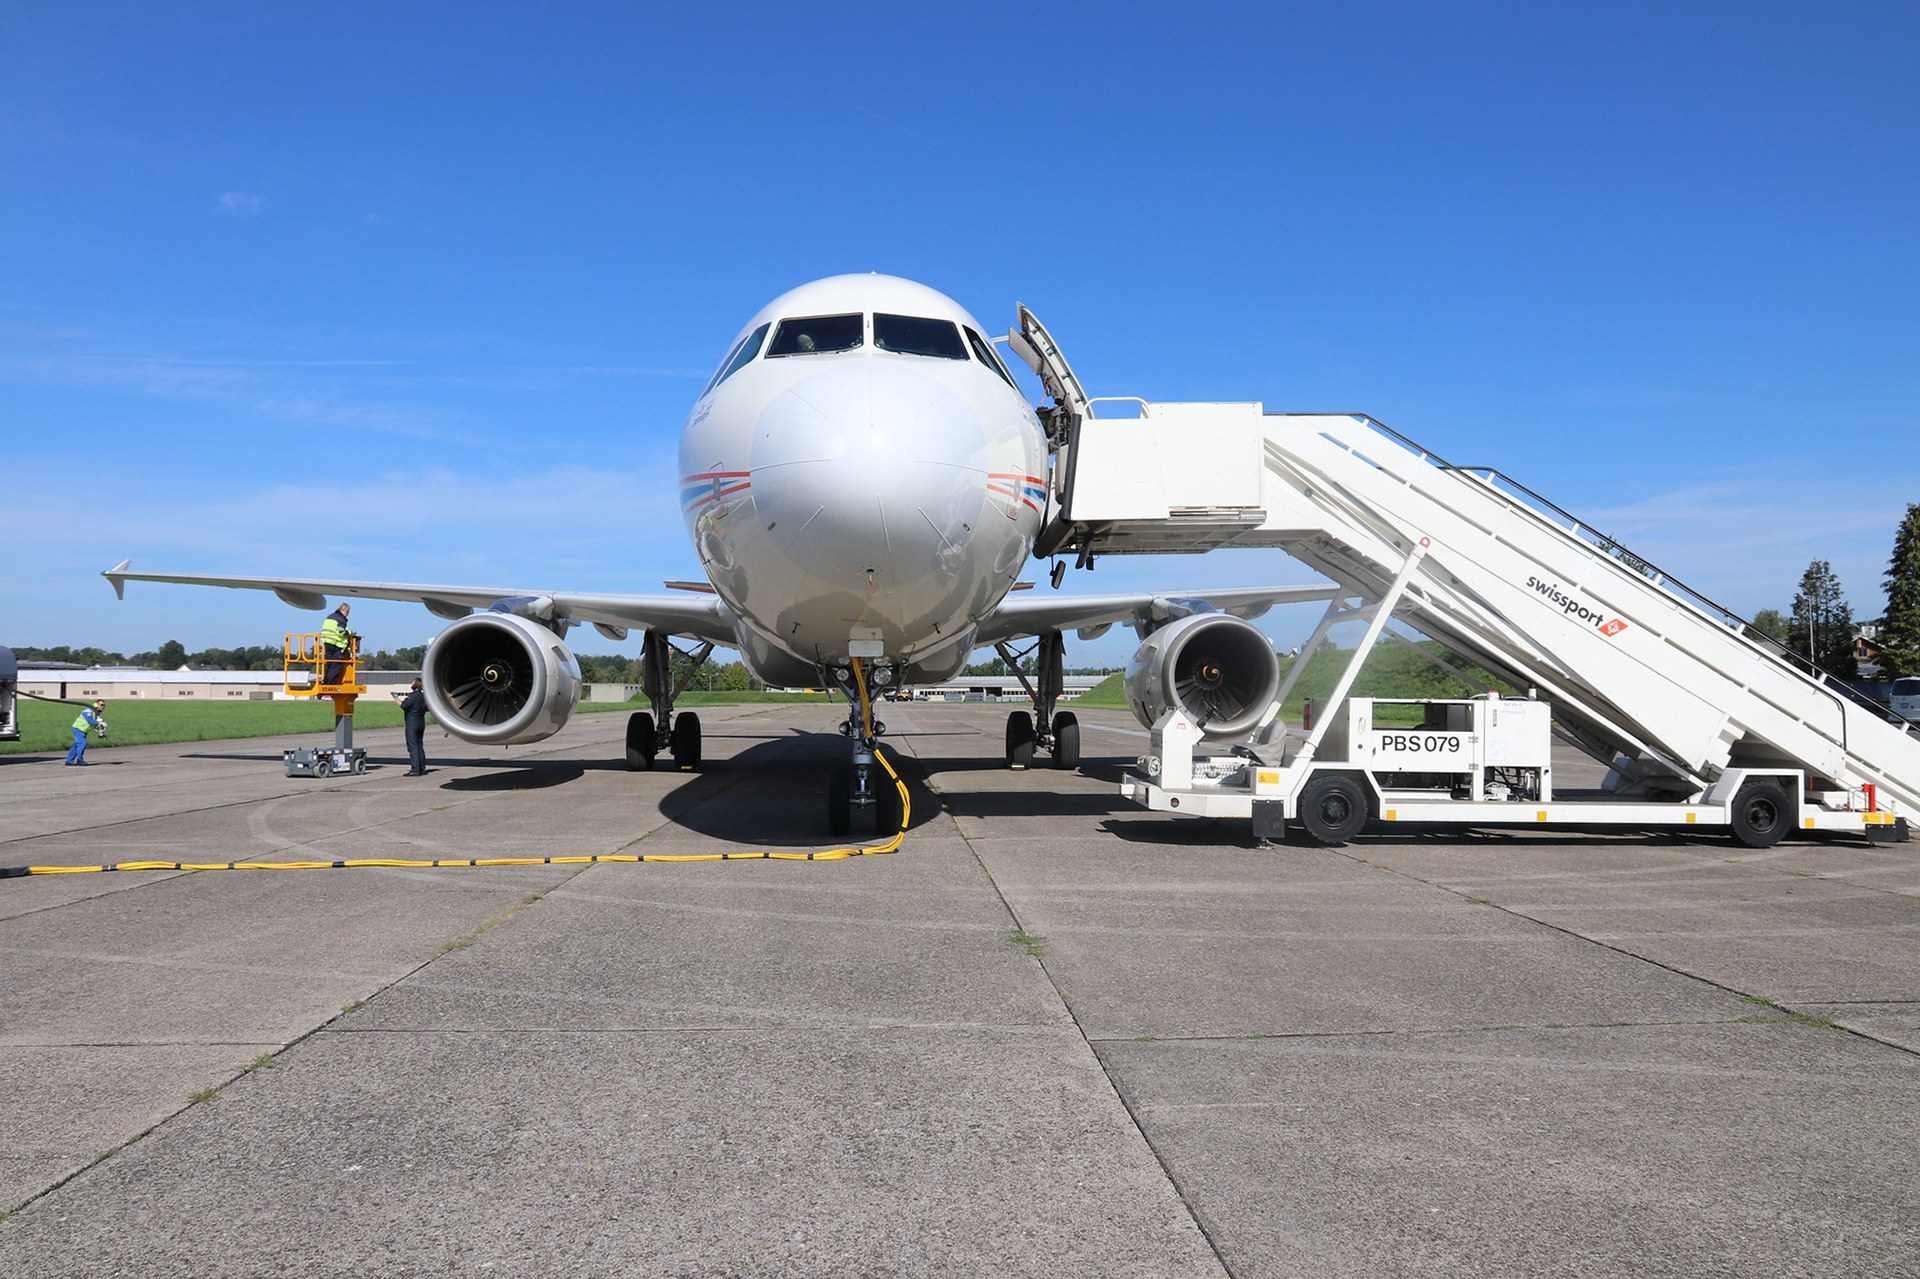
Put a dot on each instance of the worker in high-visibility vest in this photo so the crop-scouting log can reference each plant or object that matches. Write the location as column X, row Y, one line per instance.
column 335, row 639
column 90, row 717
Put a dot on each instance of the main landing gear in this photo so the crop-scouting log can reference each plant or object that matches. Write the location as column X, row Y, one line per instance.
column 1057, row 733
column 649, row 733
column 861, row 785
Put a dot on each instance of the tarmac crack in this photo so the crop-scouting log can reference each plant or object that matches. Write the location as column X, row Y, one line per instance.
column 269, row 1059
column 129, row 821
column 113, row 891
column 147, row 1043
column 1749, row 996
column 1035, row 946
column 1422, row 1032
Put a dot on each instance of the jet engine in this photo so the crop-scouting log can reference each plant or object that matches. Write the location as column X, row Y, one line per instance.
column 501, row 679
column 1214, row 668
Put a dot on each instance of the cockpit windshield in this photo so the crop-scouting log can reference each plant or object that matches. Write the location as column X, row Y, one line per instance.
column 811, row 335
column 742, row 354
column 983, row 351
column 915, row 335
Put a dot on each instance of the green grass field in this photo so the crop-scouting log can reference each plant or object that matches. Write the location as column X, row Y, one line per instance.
column 1110, row 694
column 695, row 699
column 44, row 726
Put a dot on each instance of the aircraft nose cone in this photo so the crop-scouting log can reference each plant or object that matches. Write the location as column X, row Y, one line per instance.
column 886, row 419
column 869, row 467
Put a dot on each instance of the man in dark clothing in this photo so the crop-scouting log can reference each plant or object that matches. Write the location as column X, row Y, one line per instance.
column 414, row 707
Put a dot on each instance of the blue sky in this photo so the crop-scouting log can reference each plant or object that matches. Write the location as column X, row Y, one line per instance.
column 423, row 292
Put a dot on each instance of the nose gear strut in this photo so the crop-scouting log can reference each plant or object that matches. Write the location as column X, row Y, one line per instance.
column 857, row 786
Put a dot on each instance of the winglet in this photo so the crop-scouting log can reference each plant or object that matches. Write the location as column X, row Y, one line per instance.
column 119, row 583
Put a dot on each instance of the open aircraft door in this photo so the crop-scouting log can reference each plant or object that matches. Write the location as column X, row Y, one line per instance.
column 1037, row 349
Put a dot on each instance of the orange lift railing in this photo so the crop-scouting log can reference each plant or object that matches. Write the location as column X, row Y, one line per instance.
column 307, row 663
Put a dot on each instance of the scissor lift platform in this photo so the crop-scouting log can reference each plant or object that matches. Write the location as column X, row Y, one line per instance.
column 305, row 672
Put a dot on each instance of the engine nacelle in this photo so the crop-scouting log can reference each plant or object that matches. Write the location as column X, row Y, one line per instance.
column 500, row 679
column 1216, row 669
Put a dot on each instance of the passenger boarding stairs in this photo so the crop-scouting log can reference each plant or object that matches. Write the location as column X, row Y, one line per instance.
column 1642, row 672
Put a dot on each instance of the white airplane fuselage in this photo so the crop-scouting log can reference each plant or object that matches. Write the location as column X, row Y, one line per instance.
column 863, row 483
column 861, row 480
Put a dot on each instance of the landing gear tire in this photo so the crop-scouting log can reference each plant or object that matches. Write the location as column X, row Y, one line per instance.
column 640, row 745
column 1333, row 809
column 839, row 800
column 1066, row 740
column 1759, row 815
column 686, row 740
column 1020, row 739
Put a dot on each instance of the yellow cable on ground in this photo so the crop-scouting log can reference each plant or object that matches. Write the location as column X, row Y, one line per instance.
column 827, row 855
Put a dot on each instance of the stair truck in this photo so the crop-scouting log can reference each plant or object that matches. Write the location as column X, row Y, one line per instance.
column 1701, row 721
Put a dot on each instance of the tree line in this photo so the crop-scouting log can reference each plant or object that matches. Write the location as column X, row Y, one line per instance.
column 610, row 668
column 1820, row 626
column 173, row 655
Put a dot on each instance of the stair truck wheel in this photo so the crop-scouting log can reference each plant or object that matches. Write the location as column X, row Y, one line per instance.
column 1333, row 808
column 1760, row 815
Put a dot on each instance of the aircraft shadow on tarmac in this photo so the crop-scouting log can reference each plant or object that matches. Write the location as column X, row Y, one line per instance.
column 1023, row 803
column 1038, row 798
column 774, row 794
column 531, row 774
column 515, row 774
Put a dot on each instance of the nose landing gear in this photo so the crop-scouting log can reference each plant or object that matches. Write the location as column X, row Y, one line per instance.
column 864, row 784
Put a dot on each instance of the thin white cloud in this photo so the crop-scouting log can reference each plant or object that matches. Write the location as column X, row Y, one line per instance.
column 389, row 520
column 241, row 204
column 1745, row 540
column 567, row 527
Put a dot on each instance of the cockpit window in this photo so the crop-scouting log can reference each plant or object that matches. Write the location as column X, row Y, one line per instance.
column 983, row 351
column 814, row 334
column 740, row 355
column 913, row 335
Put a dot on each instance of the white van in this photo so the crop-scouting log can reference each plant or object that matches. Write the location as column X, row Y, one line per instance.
column 1903, row 699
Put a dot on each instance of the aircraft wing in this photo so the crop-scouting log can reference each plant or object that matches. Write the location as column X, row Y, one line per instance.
column 691, row 613
column 1022, row 615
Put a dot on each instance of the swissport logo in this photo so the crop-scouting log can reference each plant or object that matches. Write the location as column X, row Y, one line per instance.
column 1608, row 626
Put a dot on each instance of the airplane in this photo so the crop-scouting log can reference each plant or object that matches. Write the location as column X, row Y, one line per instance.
column 863, row 482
